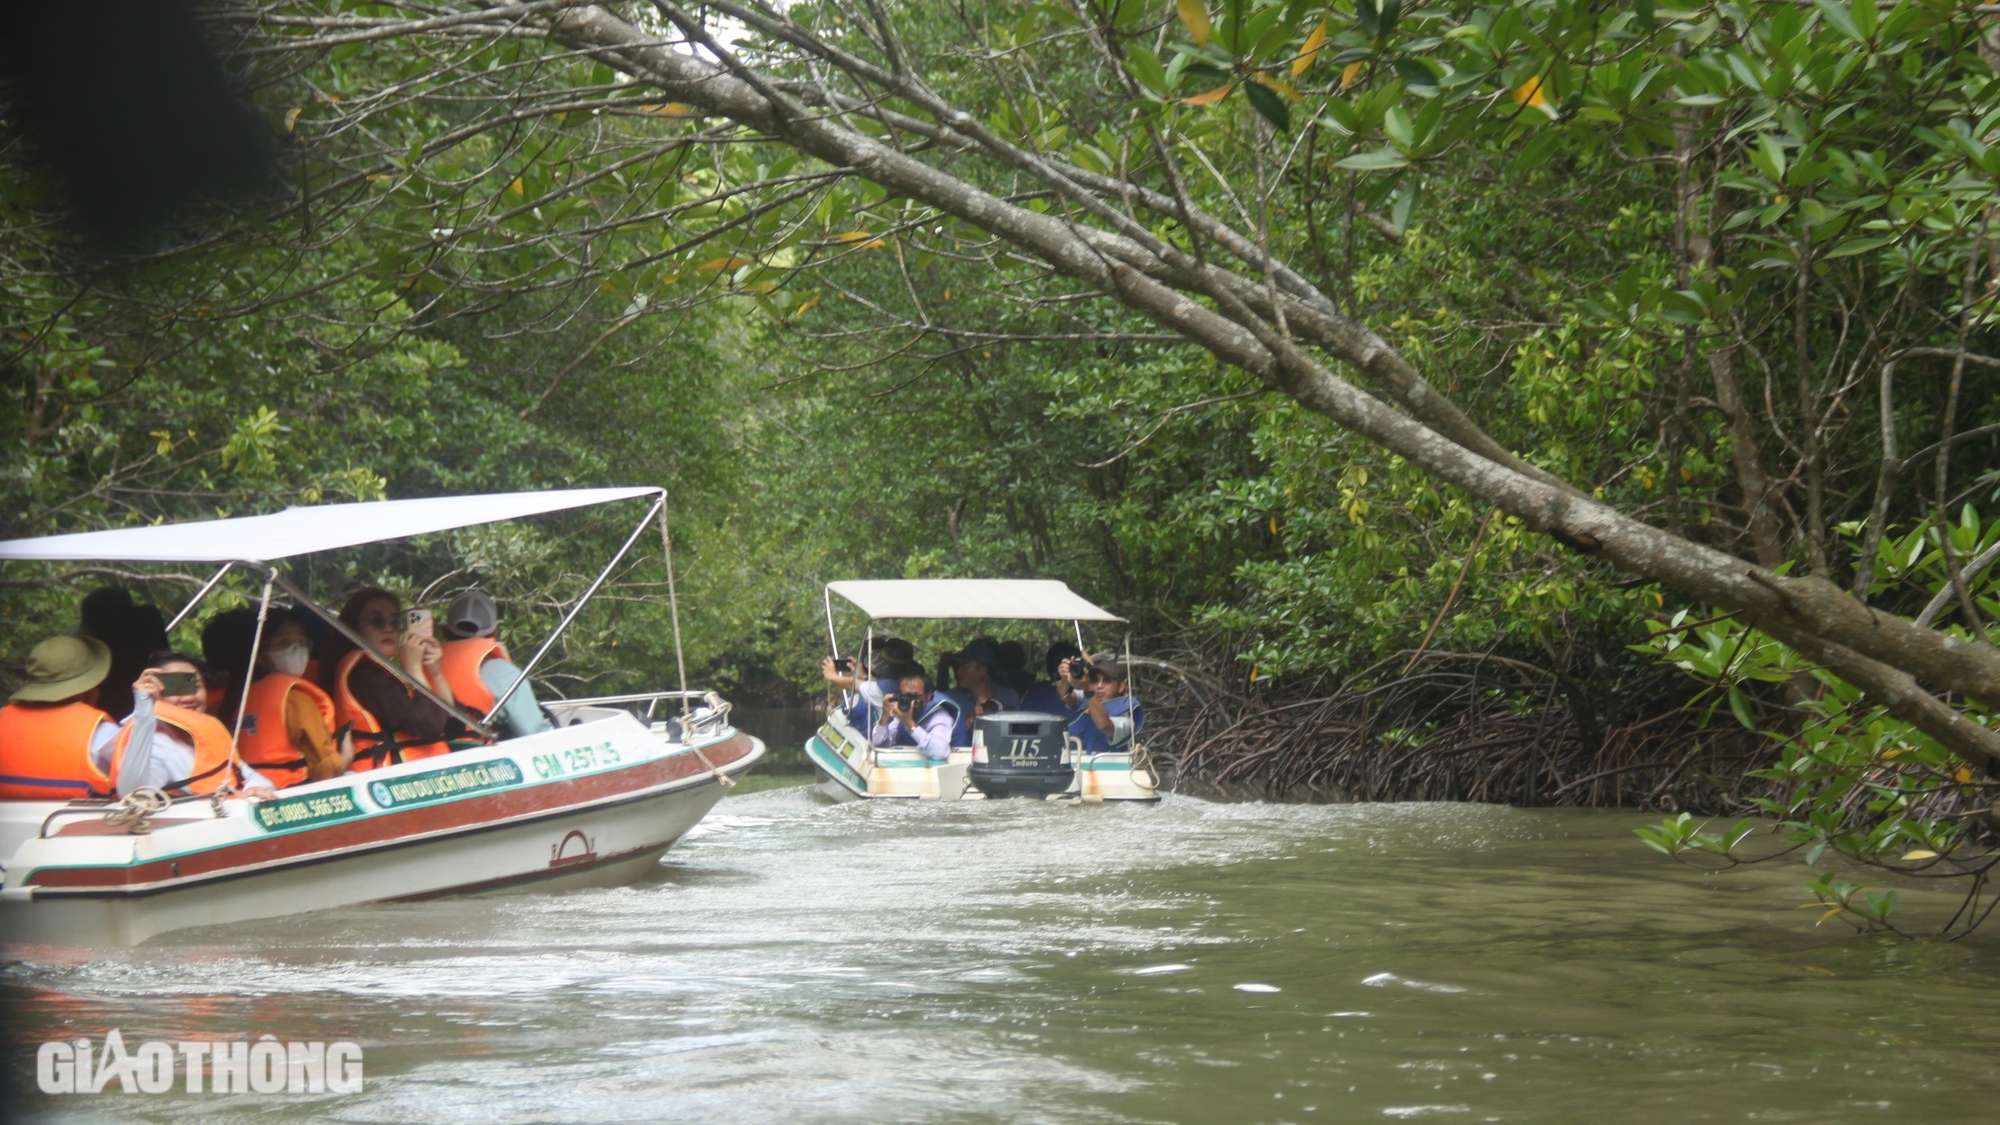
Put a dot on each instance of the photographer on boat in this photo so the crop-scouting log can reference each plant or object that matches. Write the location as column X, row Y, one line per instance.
column 914, row 715
column 171, row 742
column 1110, row 715
column 887, row 658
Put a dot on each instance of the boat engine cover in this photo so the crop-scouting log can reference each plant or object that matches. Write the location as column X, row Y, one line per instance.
column 1024, row 755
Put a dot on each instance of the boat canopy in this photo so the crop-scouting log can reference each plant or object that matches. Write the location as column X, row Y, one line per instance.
column 984, row 599
column 299, row 531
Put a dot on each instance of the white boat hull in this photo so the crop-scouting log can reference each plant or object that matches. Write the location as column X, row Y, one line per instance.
column 589, row 804
column 851, row 770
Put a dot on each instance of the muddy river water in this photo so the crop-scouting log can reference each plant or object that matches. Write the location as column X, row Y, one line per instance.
column 797, row 961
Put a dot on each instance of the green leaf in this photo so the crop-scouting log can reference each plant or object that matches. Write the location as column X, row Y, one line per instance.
column 1537, row 151
column 1855, row 246
column 1739, row 705
column 1841, row 18
column 1397, row 127
column 1375, row 160
column 1864, row 18
column 1146, row 69
column 1413, row 72
column 1269, row 104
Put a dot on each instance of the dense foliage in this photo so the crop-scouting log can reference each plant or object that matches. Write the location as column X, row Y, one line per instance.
column 1727, row 267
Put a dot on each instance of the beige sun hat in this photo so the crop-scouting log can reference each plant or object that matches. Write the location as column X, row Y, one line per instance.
column 61, row 667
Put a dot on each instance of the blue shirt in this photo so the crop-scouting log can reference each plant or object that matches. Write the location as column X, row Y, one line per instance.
column 968, row 709
column 1126, row 719
column 868, row 704
column 1045, row 699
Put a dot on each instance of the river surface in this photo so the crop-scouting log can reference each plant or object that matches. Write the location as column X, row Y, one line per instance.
column 797, row 961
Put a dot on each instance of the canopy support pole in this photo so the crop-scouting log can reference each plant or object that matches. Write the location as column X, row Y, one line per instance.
column 659, row 505
column 368, row 650
column 199, row 594
column 832, row 638
column 250, row 670
column 673, row 608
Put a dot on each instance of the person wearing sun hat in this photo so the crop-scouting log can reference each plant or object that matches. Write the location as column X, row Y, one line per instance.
column 55, row 743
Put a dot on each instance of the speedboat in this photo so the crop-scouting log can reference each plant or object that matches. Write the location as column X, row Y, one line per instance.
column 594, row 801
column 1013, row 753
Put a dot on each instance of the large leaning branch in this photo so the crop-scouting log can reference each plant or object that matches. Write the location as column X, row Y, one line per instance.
column 1883, row 654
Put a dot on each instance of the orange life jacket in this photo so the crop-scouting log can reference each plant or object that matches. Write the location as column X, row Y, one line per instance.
column 211, row 749
column 375, row 747
column 45, row 752
column 461, row 670
column 267, row 742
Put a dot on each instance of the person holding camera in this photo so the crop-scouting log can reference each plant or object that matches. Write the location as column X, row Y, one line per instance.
column 1110, row 716
column 914, row 715
column 887, row 658
column 1046, row 697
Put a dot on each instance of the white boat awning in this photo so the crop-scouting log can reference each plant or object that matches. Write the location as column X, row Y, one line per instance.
column 298, row 531
column 985, row 599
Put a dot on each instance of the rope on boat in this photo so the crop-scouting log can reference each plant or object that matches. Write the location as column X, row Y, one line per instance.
column 726, row 781
column 131, row 811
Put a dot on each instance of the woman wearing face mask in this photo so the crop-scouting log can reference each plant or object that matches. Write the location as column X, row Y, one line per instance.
column 287, row 721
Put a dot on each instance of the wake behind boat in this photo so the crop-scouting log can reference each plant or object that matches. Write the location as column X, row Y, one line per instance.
column 595, row 800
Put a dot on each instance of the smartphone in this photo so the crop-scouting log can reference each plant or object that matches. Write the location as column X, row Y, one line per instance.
column 843, row 664
column 418, row 623
column 178, row 683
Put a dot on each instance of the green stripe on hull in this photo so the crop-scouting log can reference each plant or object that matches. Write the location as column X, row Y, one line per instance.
column 833, row 765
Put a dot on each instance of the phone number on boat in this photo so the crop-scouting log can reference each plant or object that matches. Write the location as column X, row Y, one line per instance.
column 295, row 812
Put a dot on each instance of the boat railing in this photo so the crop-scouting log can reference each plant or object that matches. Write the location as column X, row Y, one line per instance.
column 711, row 714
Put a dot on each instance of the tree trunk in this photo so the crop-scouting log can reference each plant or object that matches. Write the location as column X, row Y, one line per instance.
column 1881, row 654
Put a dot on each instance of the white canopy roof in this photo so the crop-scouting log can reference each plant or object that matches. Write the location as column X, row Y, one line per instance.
column 298, row 531
column 987, row 599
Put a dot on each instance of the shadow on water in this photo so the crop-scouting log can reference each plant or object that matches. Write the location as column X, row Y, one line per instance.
column 1020, row 962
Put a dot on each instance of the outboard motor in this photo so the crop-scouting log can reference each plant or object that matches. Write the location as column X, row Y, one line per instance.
column 1020, row 754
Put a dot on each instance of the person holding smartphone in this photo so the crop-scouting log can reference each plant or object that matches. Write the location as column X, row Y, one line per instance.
column 171, row 742
column 390, row 722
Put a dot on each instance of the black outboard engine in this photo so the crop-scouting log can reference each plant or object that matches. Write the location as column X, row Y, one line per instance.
column 1022, row 755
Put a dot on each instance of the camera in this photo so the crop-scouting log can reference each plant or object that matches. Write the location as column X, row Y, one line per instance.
column 1081, row 669
column 903, row 698
column 843, row 664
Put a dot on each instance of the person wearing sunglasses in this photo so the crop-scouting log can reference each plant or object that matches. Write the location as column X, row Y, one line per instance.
column 390, row 722
column 1107, row 716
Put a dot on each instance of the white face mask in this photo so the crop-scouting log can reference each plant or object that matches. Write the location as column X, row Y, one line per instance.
column 290, row 660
